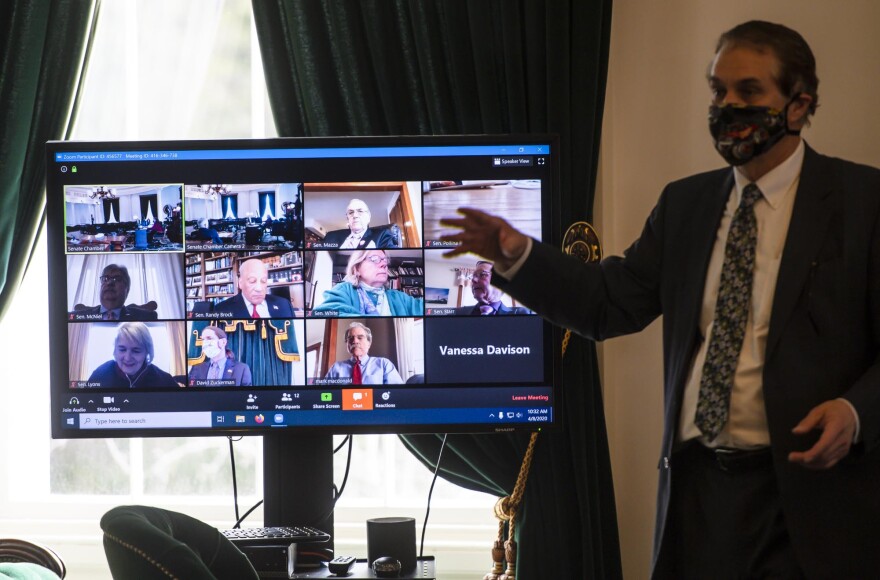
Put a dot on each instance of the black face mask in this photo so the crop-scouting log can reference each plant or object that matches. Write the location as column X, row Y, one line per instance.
column 742, row 132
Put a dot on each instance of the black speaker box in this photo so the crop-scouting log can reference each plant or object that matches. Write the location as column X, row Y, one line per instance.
column 395, row 537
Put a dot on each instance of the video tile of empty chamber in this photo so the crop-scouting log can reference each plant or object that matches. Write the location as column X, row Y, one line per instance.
column 368, row 215
column 244, row 216
column 246, row 353
column 123, row 218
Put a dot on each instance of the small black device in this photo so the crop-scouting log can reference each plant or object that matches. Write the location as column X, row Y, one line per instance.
column 341, row 565
column 276, row 535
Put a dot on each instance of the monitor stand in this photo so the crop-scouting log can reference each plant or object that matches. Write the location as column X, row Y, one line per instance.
column 298, row 481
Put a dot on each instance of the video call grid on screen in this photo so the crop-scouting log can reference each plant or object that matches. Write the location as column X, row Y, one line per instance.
column 184, row 280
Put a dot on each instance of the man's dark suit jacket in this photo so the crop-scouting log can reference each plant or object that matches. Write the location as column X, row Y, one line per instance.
column 238, row 371
column 502, row 310
column 823, row 341
column 383, row 238
column 236, row 308
column 126, row 313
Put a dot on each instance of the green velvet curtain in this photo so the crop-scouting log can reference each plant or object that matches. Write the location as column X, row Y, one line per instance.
column 42, row 57
column 258, row 351
column 377, row 67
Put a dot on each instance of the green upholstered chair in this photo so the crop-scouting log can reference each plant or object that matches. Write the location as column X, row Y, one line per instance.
column 147, row 542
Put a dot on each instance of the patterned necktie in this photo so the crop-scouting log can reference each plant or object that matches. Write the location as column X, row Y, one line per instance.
column 486, row 310
column 356, row 378
column 731, row 313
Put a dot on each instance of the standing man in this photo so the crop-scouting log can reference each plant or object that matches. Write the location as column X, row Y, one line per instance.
column 362, row 368
column 253, row 299
column 359, row 235
column 488, row 297
column 767, row 275
column 218, row 368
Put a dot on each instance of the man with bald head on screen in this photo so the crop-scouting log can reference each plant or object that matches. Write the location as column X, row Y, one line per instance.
column 359, row 235
column 253, row 299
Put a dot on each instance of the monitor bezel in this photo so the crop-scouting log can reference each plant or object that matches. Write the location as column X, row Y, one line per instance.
column 57, row 275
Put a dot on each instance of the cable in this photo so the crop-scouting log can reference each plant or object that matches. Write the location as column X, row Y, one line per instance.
column 234, row 481
column 344, row 440
column 430, row 492
column 246, row 514
column 337, row 492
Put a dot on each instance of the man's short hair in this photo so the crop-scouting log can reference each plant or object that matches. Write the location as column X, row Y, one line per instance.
column 354, row 325
column 124, row 272
column 797, row 65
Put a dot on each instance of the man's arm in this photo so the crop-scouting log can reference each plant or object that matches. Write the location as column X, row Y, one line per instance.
column 853, row 417
column 246, row 379
column 392, row 377
column 599, row 300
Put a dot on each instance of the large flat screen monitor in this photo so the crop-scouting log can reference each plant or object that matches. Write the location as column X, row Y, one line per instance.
column 257, row 286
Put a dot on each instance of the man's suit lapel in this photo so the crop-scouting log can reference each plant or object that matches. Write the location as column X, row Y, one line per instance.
column 807, row 232
column 706, row 217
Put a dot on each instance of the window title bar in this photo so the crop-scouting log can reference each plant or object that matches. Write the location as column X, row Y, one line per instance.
column 312, row 153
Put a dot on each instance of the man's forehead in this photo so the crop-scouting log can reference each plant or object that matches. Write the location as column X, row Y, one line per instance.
column 744, row 63
column 357, row 334
column 357, row 204
column 253, row 269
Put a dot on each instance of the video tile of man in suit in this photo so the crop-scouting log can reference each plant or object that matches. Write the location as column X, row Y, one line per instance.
column 362, row 368
column 767, row 277
column 358, row 235
column 219, row 369
column 488, row 297
column 115, row 285
column 253, row 299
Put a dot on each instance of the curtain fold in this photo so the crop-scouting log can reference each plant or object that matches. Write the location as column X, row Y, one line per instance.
column 42, row 58
column 379, row 67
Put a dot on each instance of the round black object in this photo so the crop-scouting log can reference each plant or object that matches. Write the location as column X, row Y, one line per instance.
column 386, row 567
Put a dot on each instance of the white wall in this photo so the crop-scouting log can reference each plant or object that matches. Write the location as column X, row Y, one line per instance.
column 655, row 131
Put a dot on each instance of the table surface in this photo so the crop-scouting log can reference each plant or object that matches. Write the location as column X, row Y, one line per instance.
column 361, row 571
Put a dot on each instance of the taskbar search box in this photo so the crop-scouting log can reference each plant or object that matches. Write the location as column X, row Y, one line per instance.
column 179, row 420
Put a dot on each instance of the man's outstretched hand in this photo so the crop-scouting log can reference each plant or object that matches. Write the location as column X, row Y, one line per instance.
column 485, row 235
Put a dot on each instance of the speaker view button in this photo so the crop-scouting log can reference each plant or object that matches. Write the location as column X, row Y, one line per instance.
column 357, row 399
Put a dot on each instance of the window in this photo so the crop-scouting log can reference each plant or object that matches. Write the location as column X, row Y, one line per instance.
column 163, row 69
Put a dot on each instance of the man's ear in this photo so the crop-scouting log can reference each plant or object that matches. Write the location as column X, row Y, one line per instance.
column 799, row 111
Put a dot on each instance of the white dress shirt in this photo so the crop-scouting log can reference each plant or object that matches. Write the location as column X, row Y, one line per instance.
column 747, row 422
